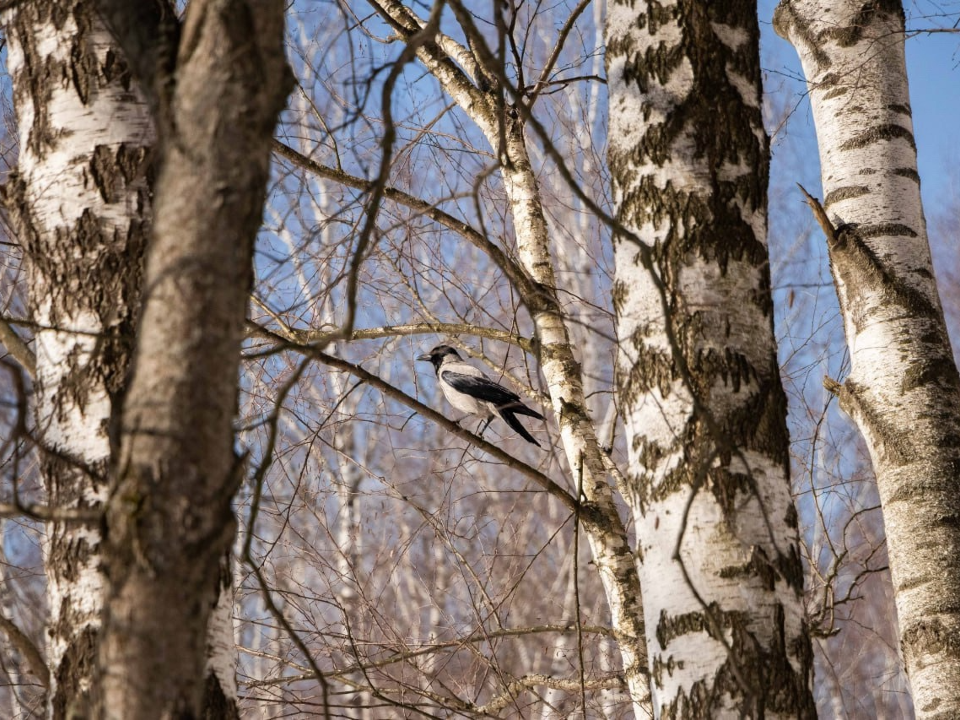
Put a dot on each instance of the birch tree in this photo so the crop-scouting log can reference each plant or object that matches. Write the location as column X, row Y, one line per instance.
column 698, row 380
column 80, row 203
column 903, row 389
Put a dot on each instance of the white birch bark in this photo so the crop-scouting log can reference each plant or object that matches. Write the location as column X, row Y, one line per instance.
column 80, row 204
column 903, row 390
column 699, row 389
column 504, row 131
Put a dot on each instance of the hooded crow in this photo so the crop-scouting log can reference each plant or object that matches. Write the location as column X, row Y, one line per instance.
column 470, row 391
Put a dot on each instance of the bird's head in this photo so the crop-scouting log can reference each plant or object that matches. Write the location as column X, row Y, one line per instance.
column 439, row 354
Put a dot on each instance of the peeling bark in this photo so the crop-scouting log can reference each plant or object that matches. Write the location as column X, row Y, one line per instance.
column 80, row 202
column 903, row 390
column 169, row 518
column 700, row 390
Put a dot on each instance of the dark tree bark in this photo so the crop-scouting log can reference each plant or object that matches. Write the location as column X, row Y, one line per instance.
column 169, row 517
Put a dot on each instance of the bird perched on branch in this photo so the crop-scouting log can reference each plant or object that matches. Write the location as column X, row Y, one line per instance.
column 470, row 391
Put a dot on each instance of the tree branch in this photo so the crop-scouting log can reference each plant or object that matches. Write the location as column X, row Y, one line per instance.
column 26, row 647
column 525, row 286
column 396, row 394
column 322, row 337
column 438, row 56
column 820, row 215
column 17, row 348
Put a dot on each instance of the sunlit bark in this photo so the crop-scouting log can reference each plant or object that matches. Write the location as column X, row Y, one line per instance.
column 81, row 204
column 699, row 389
column 903, row 390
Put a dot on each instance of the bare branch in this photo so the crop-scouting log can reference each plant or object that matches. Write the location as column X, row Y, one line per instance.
column 396, row 394
column 820, row 215
column 43, row 513
column 322, row 337
column 17, row 348
column 25, row 646
column 511, row 269
column 437, row 56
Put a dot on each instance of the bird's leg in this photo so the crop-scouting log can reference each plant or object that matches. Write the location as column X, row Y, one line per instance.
column 483, row 426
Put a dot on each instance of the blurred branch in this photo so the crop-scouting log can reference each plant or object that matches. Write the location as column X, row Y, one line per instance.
column 532, row 680
column 26, row 647
column 17, row 348
column 43, row 513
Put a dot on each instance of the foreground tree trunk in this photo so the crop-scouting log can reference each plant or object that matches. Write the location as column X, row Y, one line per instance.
column 169, row 517
column 903, row 390
column 699, row 389
column 80, row 201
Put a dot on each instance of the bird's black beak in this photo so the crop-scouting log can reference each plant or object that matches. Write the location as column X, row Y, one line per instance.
column 425, row 357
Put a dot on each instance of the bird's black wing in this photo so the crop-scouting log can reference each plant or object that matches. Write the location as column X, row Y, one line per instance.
column 480, row 388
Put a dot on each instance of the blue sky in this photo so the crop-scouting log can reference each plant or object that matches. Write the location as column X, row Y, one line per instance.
column 933, row 66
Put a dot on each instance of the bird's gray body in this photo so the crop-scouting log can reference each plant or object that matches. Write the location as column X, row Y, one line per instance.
column 449, row 368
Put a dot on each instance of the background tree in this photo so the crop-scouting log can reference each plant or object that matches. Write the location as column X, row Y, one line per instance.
column 905, row 400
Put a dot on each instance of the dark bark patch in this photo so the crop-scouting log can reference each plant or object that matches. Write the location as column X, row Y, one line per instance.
column 113, row 169
column 853, row 32
column 791, row 26
column 757, row 567
column 888, row 229
column 216, row 705
column 845, row 193
column 69, row 554
column 931, row 636
column 772, row 685
column 71, row 700
column 888, row 131
column 940, row 370
column 863, row 272
column 907, row 173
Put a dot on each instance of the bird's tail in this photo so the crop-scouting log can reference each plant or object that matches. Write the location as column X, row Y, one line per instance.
column 511, row 419
column 518, row 408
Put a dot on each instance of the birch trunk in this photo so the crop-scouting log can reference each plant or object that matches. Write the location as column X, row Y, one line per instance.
column 699, row 389
column 903, row 390
column 169, row 517
column 80, row 202
column 605, row 531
